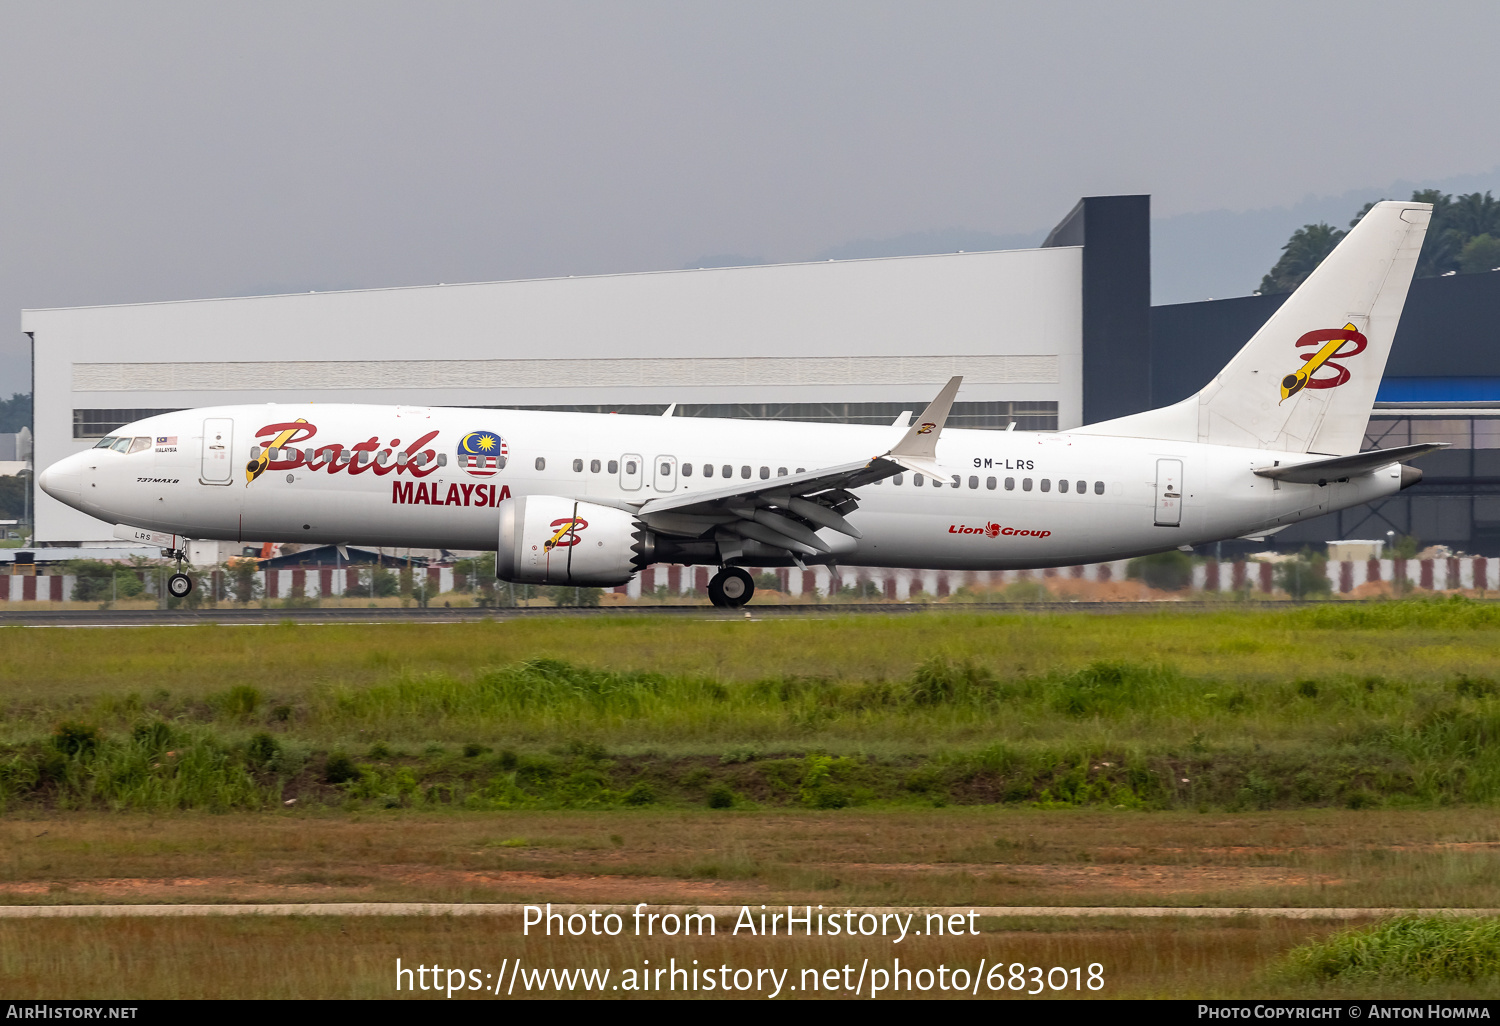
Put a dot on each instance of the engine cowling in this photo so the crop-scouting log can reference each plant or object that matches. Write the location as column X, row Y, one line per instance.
column 547, row 539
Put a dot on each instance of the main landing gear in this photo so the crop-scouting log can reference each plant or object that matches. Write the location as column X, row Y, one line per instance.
column 179, row 585
column 730, row 588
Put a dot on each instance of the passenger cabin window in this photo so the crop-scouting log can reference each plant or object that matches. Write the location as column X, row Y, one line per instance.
column 1010, row 484
column 1062, row 486
column 541, row 463
column 1083, row 486
column 1046, row 484
column 765, row 473
column 708, row 470
column 781, row 472
column 1025, row 484
column 1098, row 487
column 630, row 467
column 897, row 479
column 687, row 470
column 726, row 471
column 916, row 479
column 593, row 466
column 578, row 466
column 745, row 473
column 974, row 482
column 989, row 483
column 614, row 466
column 958, row 482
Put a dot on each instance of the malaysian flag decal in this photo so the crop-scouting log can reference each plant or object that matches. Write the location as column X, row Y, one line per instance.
column 481, row 453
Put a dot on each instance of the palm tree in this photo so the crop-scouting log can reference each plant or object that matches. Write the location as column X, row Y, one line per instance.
column 1474, row 215
column 1303, row 252
column 1456, row 222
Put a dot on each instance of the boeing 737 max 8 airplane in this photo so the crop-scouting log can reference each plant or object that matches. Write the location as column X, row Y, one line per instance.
column 589, row 499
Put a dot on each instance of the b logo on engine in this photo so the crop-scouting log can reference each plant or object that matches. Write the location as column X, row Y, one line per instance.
column 565, row 533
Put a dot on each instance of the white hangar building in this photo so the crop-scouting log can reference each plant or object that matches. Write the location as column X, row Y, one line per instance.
column 1045, row 338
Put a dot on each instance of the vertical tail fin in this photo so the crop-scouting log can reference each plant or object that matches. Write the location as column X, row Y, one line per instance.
column 1306, row 381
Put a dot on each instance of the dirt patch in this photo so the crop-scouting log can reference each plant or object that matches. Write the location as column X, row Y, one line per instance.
column 1159, row 879
column 368, row 880
column 1066, row 588
column 1256, row 851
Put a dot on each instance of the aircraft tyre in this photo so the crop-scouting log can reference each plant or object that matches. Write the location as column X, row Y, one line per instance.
column 730, row 588
column 179, row 585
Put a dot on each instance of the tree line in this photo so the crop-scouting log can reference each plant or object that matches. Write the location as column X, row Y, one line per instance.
column 15, row 413
column 1463, row 238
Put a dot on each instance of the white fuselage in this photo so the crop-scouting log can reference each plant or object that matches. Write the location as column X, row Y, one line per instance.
column 999, row 506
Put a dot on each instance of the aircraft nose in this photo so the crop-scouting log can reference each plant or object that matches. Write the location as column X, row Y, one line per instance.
column 62, row 480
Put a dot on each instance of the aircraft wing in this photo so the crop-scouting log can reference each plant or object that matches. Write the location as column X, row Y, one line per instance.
column 787, row 511
column 783, row 511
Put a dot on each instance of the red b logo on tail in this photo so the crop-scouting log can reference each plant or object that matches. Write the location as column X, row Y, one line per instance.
column 1336, row 342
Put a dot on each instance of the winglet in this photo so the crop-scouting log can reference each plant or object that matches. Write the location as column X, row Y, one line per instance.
column 917, row 449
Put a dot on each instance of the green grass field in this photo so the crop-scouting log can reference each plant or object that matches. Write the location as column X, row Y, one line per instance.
column 356, row 958
column 1339, row 756
column 1392, row 705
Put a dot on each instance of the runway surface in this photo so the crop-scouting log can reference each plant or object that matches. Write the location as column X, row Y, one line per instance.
column 412, row 908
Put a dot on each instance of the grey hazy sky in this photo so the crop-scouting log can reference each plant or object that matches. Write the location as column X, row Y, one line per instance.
column 174, row 150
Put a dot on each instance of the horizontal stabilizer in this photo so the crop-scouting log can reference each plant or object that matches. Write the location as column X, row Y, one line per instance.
column 1260, row 536
column 1323, row 471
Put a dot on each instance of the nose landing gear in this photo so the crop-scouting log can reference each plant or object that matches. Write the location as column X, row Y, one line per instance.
column 179, row 585
column 730, row 588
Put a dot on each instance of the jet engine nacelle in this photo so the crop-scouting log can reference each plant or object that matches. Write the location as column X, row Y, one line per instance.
column 547, row 539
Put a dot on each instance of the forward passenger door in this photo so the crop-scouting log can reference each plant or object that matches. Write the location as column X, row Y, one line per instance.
column 216, row 465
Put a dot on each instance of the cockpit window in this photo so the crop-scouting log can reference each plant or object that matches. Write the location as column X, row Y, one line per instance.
column 140, row 444
column 121, row 445
column 105, row 443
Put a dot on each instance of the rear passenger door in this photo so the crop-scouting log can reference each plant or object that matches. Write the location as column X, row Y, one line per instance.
column 1168, row 493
